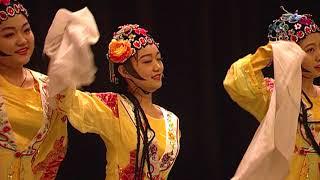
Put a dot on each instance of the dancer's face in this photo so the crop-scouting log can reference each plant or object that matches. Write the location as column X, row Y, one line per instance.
column 16, row 41
column 148, row 64
column 311, row 63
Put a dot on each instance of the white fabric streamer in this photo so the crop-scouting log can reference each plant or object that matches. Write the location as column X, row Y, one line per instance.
column 268, row 155
column 68, row 45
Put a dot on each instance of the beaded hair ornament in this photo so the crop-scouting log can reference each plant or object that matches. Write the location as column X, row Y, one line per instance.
column 10, row 8
column 292, row 27
column 125, row 43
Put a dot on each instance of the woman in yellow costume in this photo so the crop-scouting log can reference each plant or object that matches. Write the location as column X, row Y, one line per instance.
column 33, row 136
column 286, row 144
column 142, row 138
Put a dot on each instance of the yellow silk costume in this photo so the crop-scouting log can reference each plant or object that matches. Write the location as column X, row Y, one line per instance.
column 33, row 137
column 247, row 86
column 111, row 116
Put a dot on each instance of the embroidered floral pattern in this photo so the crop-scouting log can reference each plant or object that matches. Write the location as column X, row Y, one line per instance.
column 6, row 137
column 51, row 164
column 167, row 160
column 270, row 84
column 127, row 173
column 169, row 157
column 159, row 166
column 110, row 99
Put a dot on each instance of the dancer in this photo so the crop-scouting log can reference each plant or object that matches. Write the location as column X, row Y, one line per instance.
column 286, row 144
column 142, row 138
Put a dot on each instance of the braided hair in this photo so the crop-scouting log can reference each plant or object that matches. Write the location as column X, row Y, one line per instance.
column 143, row 127
column 303, row 119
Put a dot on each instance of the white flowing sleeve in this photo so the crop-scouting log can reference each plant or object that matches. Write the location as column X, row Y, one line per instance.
column 68, row 45
column 268, row 155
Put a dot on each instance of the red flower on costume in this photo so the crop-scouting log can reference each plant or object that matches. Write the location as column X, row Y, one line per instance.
column 50, row 165
column 6, row 129
column 119, row 51
column 110, row 99
column 5, row 2
column 39, row 136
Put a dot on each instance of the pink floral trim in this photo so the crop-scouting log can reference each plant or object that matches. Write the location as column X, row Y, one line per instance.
column 270, row 84
column 6, row 138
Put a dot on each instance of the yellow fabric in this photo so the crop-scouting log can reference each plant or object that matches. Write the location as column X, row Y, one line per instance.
column 245, row 84
column 24, row 110
column 25, row 115
column 158, row 125
column 89, row 114
column 307, row 165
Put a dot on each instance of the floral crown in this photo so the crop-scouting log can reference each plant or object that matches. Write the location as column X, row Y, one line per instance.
column 10, row 8
column 127, row 41
column 292, row 27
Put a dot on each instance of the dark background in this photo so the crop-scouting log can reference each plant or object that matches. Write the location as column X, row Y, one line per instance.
column 199, row 40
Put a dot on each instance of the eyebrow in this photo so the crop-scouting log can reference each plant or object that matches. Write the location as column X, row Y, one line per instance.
column 145, row 55
column 149, row 54
column 310, row 44
column 13, row 28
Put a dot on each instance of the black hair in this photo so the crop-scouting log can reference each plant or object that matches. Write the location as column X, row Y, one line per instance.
column 129, row 68
column 303, row 119
column 142, row 124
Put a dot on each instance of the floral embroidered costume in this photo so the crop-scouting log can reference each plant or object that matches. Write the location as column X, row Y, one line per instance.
column 33, row 136
column 111, row 116
column 247, row 86
column 114, row 117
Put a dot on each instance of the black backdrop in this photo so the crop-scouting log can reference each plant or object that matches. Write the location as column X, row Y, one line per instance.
column 199, row 40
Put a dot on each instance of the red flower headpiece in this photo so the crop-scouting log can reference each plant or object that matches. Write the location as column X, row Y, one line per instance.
column 11, row 8
column 127, row 41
